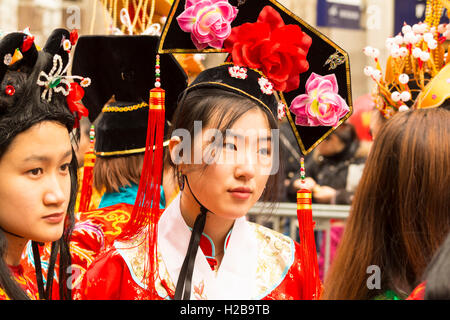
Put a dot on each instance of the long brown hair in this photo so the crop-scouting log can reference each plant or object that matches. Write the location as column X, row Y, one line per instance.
column 401, row 209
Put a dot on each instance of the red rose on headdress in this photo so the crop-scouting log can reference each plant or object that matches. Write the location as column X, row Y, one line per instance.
column 276, row 49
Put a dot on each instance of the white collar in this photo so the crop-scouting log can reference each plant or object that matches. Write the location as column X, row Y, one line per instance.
column 235, row 278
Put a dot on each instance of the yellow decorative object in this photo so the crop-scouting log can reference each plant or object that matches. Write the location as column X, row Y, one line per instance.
column 416, row 56
column 437, row 90
column 148, row 13
column 16, row 57
column 124, row 109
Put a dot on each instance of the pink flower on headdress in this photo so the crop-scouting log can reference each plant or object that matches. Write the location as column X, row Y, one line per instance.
column 208, row 21
column 321, row 105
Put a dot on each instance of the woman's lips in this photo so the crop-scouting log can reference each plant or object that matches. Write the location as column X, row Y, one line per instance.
column 241, row 193
column 54, row 218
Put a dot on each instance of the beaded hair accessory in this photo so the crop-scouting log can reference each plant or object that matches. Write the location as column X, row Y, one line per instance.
column 146, row 209
column 416, row 56
column 57, row 79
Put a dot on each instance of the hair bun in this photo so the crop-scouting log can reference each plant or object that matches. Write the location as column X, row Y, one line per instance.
column 59, row 43
column 17, row 44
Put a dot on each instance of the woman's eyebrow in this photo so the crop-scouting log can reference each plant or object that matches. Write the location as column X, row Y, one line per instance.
column 43, row 158
column 67, row 153
column 239, row 136
column 35, row 157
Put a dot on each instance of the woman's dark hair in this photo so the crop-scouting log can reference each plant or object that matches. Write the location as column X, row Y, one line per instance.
column 18, row 113
column 400, row 211
column 219, row 109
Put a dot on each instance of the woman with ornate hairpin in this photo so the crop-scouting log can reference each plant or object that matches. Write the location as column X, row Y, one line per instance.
column 224, row 149
column 38, row 108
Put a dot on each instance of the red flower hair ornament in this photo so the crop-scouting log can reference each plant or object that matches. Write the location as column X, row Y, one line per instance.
column 27, row 43
column 76, row 93
column 279, row 51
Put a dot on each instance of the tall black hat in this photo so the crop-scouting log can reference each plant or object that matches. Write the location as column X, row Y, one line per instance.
column 299, row 66
column 123, row 68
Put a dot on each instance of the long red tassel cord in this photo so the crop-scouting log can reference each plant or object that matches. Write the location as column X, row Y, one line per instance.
column 88, row 176
column 311, row 284
column 146, row 210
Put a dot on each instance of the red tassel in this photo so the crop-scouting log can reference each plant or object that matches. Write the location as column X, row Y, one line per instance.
column 86, row 186
column 146, row 210
column 88, row 175
column 311, row 286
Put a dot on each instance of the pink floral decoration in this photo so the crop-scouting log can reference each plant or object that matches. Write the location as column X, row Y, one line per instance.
column 281, row 112
column 321, row 105
column 208, row 21
column 238, row 72
column 265, row 85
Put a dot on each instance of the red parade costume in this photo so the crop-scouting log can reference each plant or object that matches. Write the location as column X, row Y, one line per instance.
column 418, row 293
column 268, row 266
column 24, row 281
column 154, row 256
column 93, row 233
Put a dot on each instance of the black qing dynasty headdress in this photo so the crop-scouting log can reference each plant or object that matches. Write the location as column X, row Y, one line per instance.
column 298, row 71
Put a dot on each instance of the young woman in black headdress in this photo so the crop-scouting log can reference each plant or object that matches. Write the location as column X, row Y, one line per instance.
column 224, row 148
column 37, row 163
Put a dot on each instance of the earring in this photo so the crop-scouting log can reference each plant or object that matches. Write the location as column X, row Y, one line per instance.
column 181, row 181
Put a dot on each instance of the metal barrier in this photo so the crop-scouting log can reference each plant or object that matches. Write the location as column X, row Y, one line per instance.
column 275, row 215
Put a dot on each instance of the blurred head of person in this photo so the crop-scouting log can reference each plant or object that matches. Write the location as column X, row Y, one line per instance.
column 339, row 141
column 400, row 211
column 377, row 120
